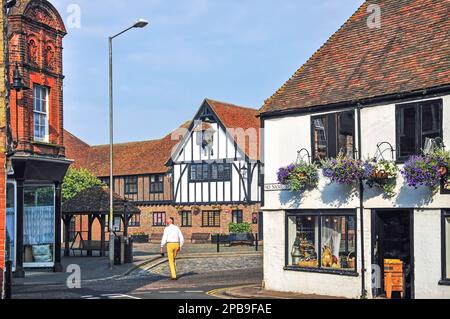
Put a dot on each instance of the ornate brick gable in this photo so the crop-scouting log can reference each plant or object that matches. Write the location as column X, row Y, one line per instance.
column 36, row 31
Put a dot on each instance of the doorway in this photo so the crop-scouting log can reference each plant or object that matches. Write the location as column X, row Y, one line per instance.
column 392, row 239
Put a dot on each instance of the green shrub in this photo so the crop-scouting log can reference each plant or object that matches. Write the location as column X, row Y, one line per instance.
column 243, row 228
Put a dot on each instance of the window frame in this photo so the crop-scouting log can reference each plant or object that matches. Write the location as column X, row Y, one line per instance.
column 320, row 214
column 240, row 216
column 225, row 178
column 159, row 189
column 186, row 215
column 445, row 277
column 127, row 184
column 135, row 221
column 46, row 114
column 216, row 214
column 419, row 126
column 163, row 219
column 332, row 129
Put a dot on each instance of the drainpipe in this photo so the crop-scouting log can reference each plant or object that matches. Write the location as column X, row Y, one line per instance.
column 361, row 208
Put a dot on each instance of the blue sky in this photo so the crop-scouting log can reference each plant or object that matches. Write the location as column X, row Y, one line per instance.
column 237, row 51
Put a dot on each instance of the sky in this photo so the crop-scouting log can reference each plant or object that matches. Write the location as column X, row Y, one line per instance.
column 236, row 51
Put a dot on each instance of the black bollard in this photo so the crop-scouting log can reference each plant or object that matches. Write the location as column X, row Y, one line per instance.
column 256, row 242
column 218, row 243
column 8, row 280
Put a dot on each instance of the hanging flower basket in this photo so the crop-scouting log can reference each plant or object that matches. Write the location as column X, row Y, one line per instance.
column 427, row 170
column 422, row 171
column 299, row 176
column 382, row 174
column 343, row 170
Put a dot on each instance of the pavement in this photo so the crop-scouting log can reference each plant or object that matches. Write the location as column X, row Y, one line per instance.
column 200, row 268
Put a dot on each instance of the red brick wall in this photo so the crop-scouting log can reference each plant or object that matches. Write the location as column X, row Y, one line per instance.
column 36, row 71
column 171, row 211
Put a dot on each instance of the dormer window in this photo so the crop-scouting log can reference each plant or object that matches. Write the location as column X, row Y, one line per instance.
column 40, row 107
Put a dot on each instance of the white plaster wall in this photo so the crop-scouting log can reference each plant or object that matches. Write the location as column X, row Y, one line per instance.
column 278, row 279
column 427, row 246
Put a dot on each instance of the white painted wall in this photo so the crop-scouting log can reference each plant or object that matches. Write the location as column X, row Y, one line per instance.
column 427, row 242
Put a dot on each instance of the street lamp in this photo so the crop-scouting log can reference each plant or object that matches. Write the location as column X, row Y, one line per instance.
column 139, row 24
column 18, row 86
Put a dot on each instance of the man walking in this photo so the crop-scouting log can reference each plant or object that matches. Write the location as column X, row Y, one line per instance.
column 174, row 240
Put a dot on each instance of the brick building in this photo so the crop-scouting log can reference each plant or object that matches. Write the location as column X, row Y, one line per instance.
column 220, row 172
column 36, row 162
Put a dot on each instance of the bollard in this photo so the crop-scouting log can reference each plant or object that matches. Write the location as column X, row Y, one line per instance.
column 256, row 242
column 8, row 280
column 218, row 243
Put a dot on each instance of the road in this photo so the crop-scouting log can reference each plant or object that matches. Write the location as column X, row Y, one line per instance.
column 197, row 276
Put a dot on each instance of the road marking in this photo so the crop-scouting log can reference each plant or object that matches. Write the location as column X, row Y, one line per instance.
column 85, row 297
column 194, row 291
column 169, row 292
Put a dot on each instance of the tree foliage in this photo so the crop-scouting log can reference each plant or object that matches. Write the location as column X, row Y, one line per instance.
column 76, row 181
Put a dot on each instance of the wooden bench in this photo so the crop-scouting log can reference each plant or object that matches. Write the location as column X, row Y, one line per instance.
column 156, row 237
column 200, row 238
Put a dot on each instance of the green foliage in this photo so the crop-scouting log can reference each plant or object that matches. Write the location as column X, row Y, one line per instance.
column 76, row 181
column 243, row 228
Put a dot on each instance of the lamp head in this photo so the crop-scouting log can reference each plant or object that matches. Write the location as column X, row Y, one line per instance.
column 141, row 23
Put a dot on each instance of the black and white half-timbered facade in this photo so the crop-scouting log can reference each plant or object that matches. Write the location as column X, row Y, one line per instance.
column 215, row 163
column 205, row 174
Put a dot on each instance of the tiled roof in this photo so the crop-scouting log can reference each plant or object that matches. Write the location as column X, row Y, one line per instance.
column 239, row 117
column 96, row 200
column 76, row 149
column 137, row 158
column 410, row 52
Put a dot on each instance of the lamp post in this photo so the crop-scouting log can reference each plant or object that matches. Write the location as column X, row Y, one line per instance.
column 139, row 24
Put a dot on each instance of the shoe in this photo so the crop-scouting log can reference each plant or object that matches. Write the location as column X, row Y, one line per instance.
column 173, row 279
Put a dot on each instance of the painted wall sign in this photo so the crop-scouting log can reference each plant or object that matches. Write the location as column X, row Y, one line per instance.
column 275, row 187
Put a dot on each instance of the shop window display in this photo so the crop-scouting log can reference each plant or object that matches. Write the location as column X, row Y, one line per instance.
column 321, row 241
column 39, row 224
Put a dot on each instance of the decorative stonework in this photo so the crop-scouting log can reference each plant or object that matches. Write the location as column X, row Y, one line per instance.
column 40, row 14
column 32, row 50
column 49, row 56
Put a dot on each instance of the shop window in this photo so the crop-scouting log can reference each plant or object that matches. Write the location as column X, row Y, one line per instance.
column 322, row 240
column 39, row 224
column 417, row 122
column 186, row 219
column 333, row 134
column 10, row 222
column 159, row 219
column 40, row 110
column 446, row 245
column 211, row 219
column 237, row 216
column 131, row 187
column 157, row 184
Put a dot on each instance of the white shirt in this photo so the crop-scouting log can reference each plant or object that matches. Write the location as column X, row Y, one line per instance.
column 172, row 234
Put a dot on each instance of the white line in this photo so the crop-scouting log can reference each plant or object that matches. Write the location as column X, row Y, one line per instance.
column 194, row 291
column 90, row 296
column 132, row 297
column 112, row 295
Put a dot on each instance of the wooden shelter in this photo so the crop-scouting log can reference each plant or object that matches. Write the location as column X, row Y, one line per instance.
column 94, row 203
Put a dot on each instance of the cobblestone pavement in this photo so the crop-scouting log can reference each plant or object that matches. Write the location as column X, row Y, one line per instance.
column 205, row 265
